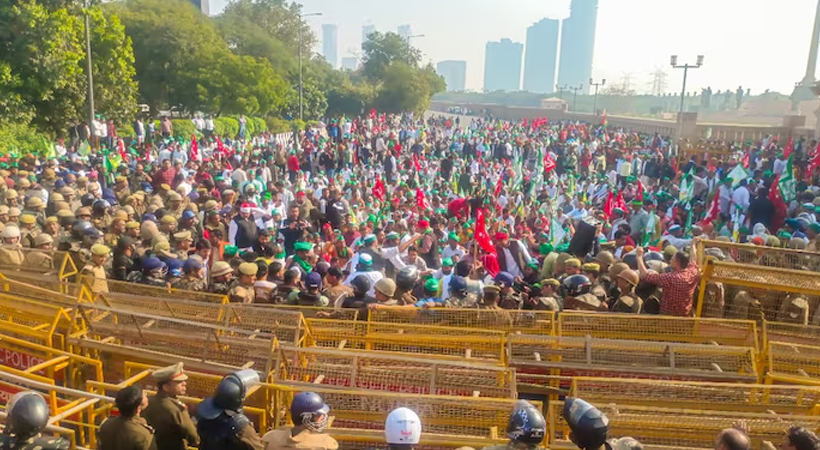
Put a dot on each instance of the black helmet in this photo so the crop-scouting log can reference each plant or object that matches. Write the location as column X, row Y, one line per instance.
column 361, row 284
column 407, row 277
column 100, row 207
column 27, row 415
column 458, row 284
column 229, row 395
column 87, row 199
column 526, row 424
column 631, row 260
column 589, row 425
column 78, row 228
column 575, row 285
column 653, row 256
column 305, row 408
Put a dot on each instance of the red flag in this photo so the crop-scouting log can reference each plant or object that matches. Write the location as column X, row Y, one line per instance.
column 779, row 205
column 814, row 162
column 609, row 204
column 194, row 147
column 674, row 165
column 416, row 162
column 121, row 149
column 549, row 162
column 620, row 202
column 745, row 159
column 378, row 189
column 480, row 233
column 788, row 149
column 420, row 201
column 713, row 212
column 499, row 185
column 639, row 195
column 373, row 113
column 220, row 147
column 603, row 119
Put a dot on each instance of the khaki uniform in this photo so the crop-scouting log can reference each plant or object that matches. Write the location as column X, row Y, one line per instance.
column 282, row 439
column 495, row 316
column 174, row 429
column 11, row 255
column 190, row 284
column 406, row 298
column 509, row 301
column 546, row 303
column 97, row 274
column 39, row 261
column 241, row 294
column 628, row 303
column 120, row 433
column 110, row 239
column 27, row 237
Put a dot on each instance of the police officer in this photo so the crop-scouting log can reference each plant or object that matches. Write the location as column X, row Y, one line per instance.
column 545, row 297
column 11, row 253
column 94, row 271
column 310, row 418
column 40, row 259
column 508, row 298
column 406, row 281
column 459, row 296
column 193, row 279
column 243, row 291
column 402, row 429
column 628, row 301
column 128, row 430
column 27, row 415
column 221, row 278
column 526, row 428
column 220, row 421
column 173, row 425
column 589, row 427
column 577, row 296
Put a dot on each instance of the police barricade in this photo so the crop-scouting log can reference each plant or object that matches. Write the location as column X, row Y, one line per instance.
column 355, row 439
column 144, row 290
column 38, row 322
column 287, row 326
column 48, row 290
column 781, row 399
column 416, row 374
column 756, row 255
column 461, row 343
column 509, row 321
column 163, row 335
column 311, row 312
column 367, row 410
column 42, row 264
column 658, row 328
column 594, row 357
column 756, row 292
column 791, row 363
column 657, row 427
column 71, row 417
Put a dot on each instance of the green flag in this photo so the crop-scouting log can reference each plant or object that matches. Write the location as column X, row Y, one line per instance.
column 787, row 184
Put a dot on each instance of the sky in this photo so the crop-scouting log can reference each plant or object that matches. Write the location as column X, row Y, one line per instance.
column 757, row 44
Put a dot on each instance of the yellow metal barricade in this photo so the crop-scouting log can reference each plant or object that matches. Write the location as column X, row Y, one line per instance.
column 204, row 342
column 311, row 312
column 698, row 395
column 555, row 355
column 510, row 321
column 144, row 290
column 482, row 345
column 49, row 291
column 39, row 322
column 757, row 292
column 380, row 371
column 68, row 369
column 783, row 258
column 792, row 363
column 47, row 265
column 677, row 428
column 658, row 328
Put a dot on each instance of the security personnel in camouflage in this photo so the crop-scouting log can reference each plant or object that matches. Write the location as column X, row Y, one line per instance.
column 27, row 415
column 243, row 291
column 174, row 429
column 459, row 296
column 628, row 301
column 40, row 259
column 508, row 299
column 192, row 280
column 221, row 278
column 546, row 297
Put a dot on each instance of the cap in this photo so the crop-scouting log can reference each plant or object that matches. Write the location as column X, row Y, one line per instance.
column 221, row 268
column 591, row 267
column 431, row 285
column 170, row 373
column 369, row 239
column 83, row 211
column 501, row 236
column 447, row 262
column 14, row 212
column 28, row 218
column 573, row 262
column 182, row 235
column 132, row 225
column 423, row 224
column 391, row 236
column 34, row 202
column 168, row 219
column 314, row 281
column 100, row 250
column 365, row 259
column 453, row 236
column 551, row 282
column 386, row 286
column 303, row 246
column 248, row 268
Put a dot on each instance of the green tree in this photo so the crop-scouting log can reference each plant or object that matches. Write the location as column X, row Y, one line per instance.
column 115, row 87
column 382, row 50
column 245, row 37
column 280, row 19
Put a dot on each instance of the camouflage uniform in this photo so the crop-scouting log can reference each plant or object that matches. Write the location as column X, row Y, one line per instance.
column 405, row 298
column 547, row 303
column 190, row 284
column 241, row 293
column 468, row 301
column 510, row 301
column 11, row 255
column 221, row 287
column 628, row 302
column 38, row 442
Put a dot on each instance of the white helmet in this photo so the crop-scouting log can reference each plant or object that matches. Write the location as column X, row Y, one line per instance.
column 402, row 426
column 10, row 232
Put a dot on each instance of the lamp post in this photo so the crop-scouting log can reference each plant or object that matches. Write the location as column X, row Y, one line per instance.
column 561, row 90
column 575, row 95
column 595, row 100
column 88, row 67
column 410, row 38
column 301, row 107
column 674, row 61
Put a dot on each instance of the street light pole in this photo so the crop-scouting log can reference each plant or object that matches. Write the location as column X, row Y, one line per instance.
column 674, row 61
column 575, row 95
column 409, row 38
column 595, row 100
column 301, row 95
column 88, row 68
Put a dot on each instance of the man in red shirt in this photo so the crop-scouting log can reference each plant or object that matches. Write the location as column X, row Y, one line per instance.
column 293, row 167
column 679, row 284
column 165, row 175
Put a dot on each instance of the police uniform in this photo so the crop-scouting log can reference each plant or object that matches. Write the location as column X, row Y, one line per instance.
column 40, row 260
column 468, row 301
column 223, row 426
column 174, row 429
column 627, row 303
column 283, row 438
column 190, row 284
column 510, row 301
column 117, row 433
column 242, row 293
column 11, row 255
column 96, row 272
column 35, row 443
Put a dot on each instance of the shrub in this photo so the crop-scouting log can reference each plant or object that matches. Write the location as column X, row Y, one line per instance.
column 226, row 127
column 125, row 131
column 260, row 125
column 183, row 128
column 20, row 139
column 278, row 125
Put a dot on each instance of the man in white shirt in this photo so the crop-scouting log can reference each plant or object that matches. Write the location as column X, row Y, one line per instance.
column 725, row 193
column 392, row 250
column 779, row 164
column 675, row 238
column 453, row 250
column 741, row 197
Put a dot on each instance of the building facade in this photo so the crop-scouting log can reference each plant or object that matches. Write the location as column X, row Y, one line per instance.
column 330, row 44
column 367, row 30
column 454, row 74
column 203, row 5
column 541, row 58
column 578, row 44
column 502, row 66
column 405, row 31
column 350, row 63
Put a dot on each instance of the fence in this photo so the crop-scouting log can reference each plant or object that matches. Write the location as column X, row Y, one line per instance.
column 782, row 258
column 508, row 321
column 58, row 265
column 792, row 363
column 144, row 290
column 413, row 374
column 40, row 322
column 314, row 312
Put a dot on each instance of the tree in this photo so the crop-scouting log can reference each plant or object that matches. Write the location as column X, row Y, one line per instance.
column 407, row 89
column 115, row 87
column 245, row 37
column 382, row 50
column 280, row 19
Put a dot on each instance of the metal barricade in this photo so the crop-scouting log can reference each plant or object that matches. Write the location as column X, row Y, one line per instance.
column 416, row 374
column 48, row 290
column 555, row 355
column 39, row 322
column 800, row 400
column 776, row 257
column 42, row 264
column 792, row 363
column 314, row 312
column 509, row 321
column 144, row 290
column 757, row 292
column 658, row 328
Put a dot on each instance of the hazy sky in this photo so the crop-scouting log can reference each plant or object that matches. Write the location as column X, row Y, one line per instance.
column 758, row 44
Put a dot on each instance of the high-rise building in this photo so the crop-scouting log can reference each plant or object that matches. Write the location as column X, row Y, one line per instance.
column 405, row 31
column 203, row 5
column 454, row 73
column 350, row 63
column 542, row 56
column 330, row 43
column 502, row 66
column 578, row 44
column 367, row 30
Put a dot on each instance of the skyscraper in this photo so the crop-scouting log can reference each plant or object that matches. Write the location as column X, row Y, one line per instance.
column 502, row 66
column 541, row 57
column 578, row 44
column 350, row 63
column 405, row 31
column 330, row 34
column 367, row 30
column 203, row 5
column 454, row 73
